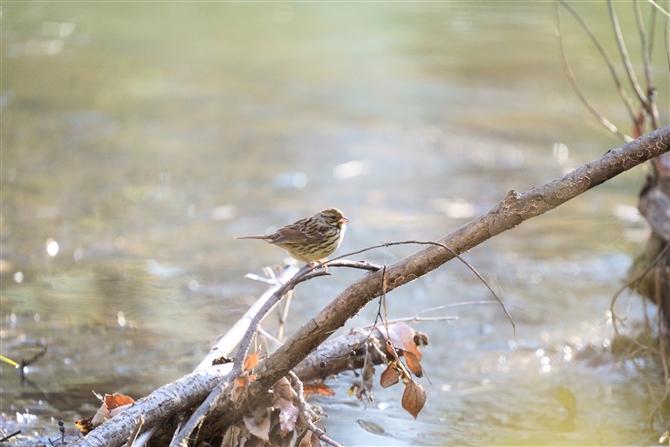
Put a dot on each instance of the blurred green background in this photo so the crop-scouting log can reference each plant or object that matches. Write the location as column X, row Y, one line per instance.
column 139, row 138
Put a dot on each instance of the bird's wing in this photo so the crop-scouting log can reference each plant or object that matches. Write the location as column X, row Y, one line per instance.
column 299, row 233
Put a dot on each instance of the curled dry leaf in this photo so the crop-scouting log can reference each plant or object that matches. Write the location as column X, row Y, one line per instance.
column 236, row 436
column 413, row 363
column 402, row 336
column 112, row 404
column 251, row 361
column 391, row 350
column 421, row 339
column 414, row 398
column 245, row 380
column 288, row 415
column 317, row 388
column 390, row 376
column 283, row 389
column 259, row 428
column 310, row 440
column 368, row 373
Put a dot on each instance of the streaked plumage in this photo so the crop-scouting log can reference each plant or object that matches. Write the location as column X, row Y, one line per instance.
column 310, row 239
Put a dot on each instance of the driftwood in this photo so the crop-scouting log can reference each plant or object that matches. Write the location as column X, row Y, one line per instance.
column 510, row 212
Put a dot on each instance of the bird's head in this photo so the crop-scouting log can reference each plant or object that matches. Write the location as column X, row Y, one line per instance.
column 334, row 217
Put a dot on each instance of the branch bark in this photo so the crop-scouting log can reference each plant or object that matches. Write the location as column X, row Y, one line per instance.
column 514, row 209
column 510, row 212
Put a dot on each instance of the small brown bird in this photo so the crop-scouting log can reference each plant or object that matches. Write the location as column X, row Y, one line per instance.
column 310, row 239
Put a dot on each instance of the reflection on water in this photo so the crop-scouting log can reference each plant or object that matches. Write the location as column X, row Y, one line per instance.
column 138, row 140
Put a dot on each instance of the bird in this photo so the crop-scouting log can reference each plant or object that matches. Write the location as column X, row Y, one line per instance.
column 311, row 239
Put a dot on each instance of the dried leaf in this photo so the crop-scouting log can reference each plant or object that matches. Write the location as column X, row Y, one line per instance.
column 390, row 376
column 85, row 426
column 413, row 363
column 245, row 380
column 116, row 400
column 391, row 349
column 368, row 374
column 413, row 398
column 421, row 339
column 288, row 415
column 258, row 428
column 310, row 440
column 318, row 388
column 283, row 389
column 251, row 361
column 112, row 404
column 402, row 336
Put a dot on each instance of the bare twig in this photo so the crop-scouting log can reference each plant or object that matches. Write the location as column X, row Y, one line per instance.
column 305, row 409
column 438, row 244
column 181, row 438
column 136, row 431
column 624, row 55
column 659, row 7
column 650, row 105
column 510, row 212
column 284, row 316
column 610, row 65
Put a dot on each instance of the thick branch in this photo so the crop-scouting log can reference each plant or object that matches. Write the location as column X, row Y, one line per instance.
column 510, row 212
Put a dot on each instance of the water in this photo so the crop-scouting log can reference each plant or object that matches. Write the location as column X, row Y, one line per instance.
column 142, row 138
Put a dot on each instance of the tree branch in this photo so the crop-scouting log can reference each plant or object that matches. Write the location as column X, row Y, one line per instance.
column 510, row 212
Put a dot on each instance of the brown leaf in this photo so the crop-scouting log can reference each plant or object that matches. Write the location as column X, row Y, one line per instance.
column 310, row 440
column 283, row 389
column 391, row 349
column 112, row 404
column 251, row 361
column 288, row 415
column 85, row 426
column 413, row 398
column 390, row 376
column 413, row 363
column 243, row 381
column 402, row 336
column 318, row 388
column 368, row 374
column 258, row 428
column 116, row 400
column 421, row 339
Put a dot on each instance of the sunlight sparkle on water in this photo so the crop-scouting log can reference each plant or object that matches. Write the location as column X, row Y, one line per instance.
column 52, row 247
column 348, row 170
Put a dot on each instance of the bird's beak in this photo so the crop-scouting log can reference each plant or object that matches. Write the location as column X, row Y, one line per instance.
column 343, row 220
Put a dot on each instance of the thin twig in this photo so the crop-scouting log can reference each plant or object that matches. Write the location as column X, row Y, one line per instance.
column 136, row 431
column 650, row 106
column 11, row 435
column 415, row 319
column 659, row 7
column 305, row 409
column 438, row 244
column 269, row 336
column 610, row 65
column 643, row 42
column 284, row 316
column 624, row 55
column 198, row 416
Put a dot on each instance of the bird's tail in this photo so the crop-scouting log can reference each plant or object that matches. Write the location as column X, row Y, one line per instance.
column 265, row 238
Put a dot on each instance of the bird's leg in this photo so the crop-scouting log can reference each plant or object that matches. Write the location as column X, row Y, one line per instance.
column 317, row 261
